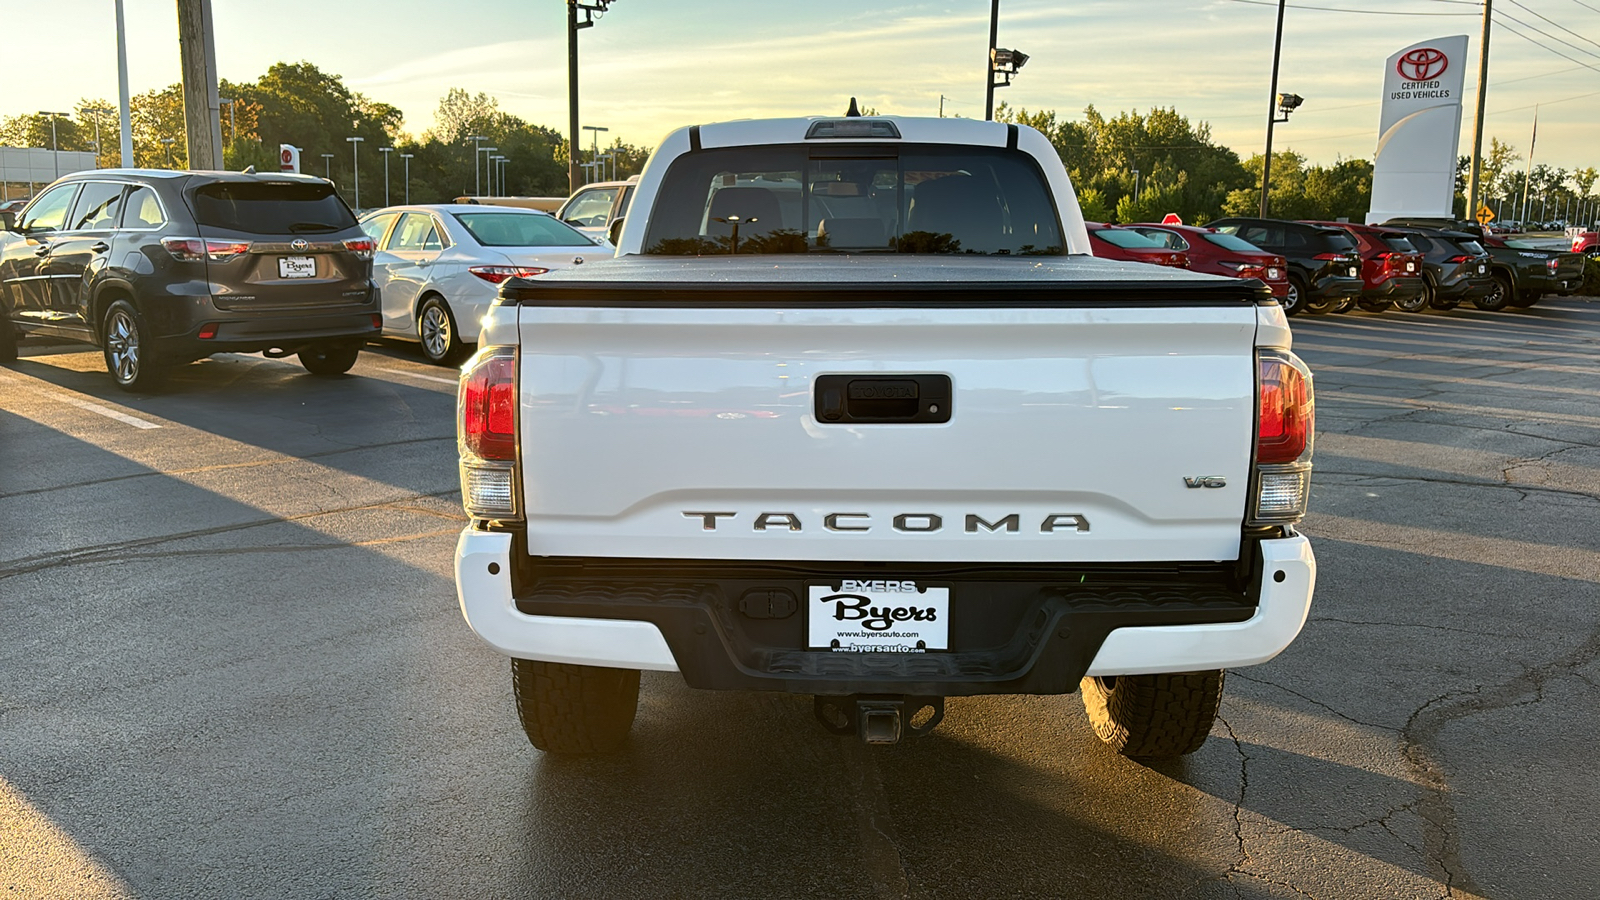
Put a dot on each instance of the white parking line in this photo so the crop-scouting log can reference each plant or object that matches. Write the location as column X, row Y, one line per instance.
column 106, row 411
column 450, row 381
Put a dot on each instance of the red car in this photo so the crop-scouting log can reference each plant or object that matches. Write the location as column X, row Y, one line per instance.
column 1115, row 242
column 1391, row 268
column 1216, row 253
column 1587, row 243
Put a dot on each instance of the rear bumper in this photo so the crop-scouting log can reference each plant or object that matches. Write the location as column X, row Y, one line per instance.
column 691, row 626
column 1336, row 286
column 235, row 334
column 1407, row 288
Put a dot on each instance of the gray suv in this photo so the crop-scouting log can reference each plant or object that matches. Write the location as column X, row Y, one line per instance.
column 159, row 268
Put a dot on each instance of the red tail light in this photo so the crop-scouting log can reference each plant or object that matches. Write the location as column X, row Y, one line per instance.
column 488, row 408
column 1460, row 258
column 1286, row 413
column 1552, row 264
column 197, row 249
column 1328, row 257
column 361, row 247
column 207, row 331
column 497, row 274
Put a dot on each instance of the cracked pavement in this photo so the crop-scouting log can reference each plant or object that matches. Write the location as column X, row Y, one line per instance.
column 233, row 667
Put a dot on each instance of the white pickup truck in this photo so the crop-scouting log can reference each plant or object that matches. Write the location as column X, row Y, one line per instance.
column 854, row 413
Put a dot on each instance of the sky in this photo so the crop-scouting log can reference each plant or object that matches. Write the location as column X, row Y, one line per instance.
column 649, row 66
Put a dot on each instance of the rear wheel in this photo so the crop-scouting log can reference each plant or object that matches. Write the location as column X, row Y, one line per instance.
column 1500, row 297
column 129, row 357
column 1525, row 300
column 436, row 328
column 329, row 360
column 1414, row 304
column 571, row 709
column 1294, row 302
column 1153, row 716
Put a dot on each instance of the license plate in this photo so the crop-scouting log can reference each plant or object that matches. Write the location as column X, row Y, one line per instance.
column 297, row 267
column 878, row 616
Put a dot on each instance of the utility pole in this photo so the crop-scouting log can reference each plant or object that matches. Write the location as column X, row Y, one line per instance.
column 1272, row 112
column 1527, row 174
column 988, row 64
column 201, row 107
column 1474, row 171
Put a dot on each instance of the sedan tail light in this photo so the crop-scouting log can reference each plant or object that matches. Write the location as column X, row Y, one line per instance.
column 1285, row 430
column 497, row 274
column 486, row 433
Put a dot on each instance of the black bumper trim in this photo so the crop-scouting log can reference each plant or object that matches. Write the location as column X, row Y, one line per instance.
column 1017, row 630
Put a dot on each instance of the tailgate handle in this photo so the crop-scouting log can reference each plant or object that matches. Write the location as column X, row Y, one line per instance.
column 882, row 399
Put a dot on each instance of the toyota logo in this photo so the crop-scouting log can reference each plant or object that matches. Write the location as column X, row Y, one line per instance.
column 299, row 244
column 1422, row 64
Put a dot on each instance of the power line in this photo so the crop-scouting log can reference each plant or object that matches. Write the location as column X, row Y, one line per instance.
column 1545, row 46
column 1537, row 30
column 1370, row 12
column 1586, row 6
column 1553, row 22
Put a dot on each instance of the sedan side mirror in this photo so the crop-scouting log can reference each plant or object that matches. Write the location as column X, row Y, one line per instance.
column 614, row 230
column 9, row 220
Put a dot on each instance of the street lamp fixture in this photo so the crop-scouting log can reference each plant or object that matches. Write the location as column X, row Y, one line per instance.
column 477, row 182
column 168, row 142
column 485, row 151
column 327, row 166
column 386, row 151
column 355, row 159
column 98, row 111
column 596, row 129
column 1287, row 103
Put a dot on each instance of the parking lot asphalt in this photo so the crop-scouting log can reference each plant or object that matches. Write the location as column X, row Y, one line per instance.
column 233, row 666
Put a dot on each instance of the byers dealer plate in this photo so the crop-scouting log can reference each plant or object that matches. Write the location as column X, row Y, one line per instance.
column 878, row 616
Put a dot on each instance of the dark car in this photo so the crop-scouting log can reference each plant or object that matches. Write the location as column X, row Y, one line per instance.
column 1523, row 271
column 1216, row 253
column 1455, row 266
column 1115, row 242
column 159, row 268
column 1391, row 268
column 1324, row 264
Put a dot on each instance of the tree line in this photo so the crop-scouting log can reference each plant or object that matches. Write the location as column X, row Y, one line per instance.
column 1126, row 168
column 301, row 105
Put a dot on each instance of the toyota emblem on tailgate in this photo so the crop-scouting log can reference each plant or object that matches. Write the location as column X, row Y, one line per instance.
column 299, row 243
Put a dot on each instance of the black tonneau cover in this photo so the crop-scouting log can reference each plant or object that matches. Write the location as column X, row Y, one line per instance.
column 878, row 281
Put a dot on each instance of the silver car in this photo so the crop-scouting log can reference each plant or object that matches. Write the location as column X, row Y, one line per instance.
column 439, row 266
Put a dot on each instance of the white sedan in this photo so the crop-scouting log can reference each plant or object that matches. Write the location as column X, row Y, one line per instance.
column 439, row 266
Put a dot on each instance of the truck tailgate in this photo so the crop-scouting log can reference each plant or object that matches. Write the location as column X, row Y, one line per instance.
column 1112, row 433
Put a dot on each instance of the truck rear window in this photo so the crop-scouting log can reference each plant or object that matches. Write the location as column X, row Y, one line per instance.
column 271, row 207
column 925, row 199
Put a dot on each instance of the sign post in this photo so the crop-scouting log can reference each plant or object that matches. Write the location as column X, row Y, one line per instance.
column 289, row 158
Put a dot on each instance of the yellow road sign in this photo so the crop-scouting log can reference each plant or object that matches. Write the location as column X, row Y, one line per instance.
column 1485, row 215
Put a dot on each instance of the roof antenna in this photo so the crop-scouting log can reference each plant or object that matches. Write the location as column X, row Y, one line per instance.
column 852, row 112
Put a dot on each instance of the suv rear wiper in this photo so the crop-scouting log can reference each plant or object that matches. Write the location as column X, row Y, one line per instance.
column 297, row 227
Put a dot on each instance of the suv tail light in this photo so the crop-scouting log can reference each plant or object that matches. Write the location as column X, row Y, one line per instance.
column 186, row 249
column 361, row 247
column 486, row 433
column 497, row 274
column 1552, row 264
column 1460, row 258
column 1285, row 430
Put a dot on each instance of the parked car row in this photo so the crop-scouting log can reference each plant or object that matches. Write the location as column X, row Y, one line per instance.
column 158, row 268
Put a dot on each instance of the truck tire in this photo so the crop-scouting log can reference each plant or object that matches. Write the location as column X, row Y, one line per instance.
column 330, row 360
column 1498, row 298
column 1153, row 716
column 570, row 709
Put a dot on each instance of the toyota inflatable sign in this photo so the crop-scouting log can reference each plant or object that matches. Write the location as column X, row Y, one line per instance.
column 288, row 158
column 1414, row 171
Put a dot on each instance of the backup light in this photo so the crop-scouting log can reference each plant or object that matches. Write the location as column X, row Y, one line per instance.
column 486, row 429
column 1285, row 430
column 361, row 247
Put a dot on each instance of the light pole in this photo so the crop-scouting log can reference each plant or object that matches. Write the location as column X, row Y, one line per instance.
column 98, row 112
column 327, row 166
column 355, row 160
column 233, row 122
column 407, row 158
column 1136, row 185
column 499, row 177
column 168, row 142
column 486, row 151
column 386, row 151
column 54, row 153
column 592, row 11
column 595, row 155
column 504, row 160
column 1272, row 110
column 477, row 183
